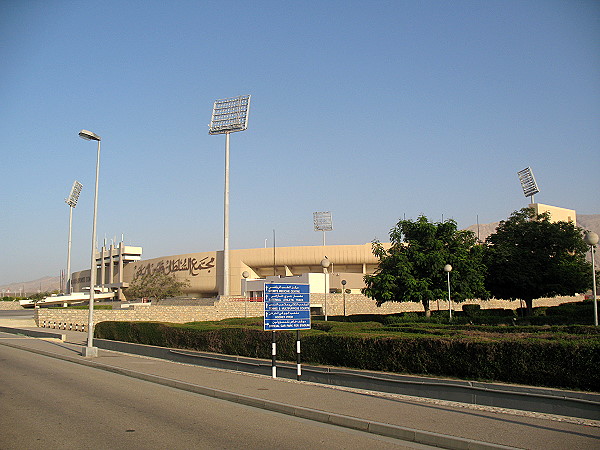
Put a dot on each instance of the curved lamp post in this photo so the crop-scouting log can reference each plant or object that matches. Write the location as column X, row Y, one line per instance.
column 325, row 264
column 448, row 269
column 591, row 239
column 90, row 350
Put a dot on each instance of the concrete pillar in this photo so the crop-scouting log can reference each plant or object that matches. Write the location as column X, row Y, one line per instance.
column 102, row 268
column 111, row 266
column 120, row 261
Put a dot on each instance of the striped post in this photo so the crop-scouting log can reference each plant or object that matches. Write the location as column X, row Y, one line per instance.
column 298, row 366
column 273, row 355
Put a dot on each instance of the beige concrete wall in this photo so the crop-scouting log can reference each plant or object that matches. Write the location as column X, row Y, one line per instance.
column 556, row 214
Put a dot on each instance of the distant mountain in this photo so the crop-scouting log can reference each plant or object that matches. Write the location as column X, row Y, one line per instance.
column 45, row 284
column 590, row 222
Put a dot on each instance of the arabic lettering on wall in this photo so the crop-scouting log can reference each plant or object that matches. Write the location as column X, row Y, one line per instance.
column 191, row 265
column 80, row 280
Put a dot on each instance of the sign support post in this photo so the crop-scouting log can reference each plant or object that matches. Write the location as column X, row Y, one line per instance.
column 287, row 307
column 298, row 364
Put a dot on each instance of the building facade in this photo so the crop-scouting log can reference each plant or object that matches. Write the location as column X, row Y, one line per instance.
column 117, row 267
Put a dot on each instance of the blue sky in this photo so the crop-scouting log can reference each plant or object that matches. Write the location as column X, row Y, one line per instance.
column 372, row 110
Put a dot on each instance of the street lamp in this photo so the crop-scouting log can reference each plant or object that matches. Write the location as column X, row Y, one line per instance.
column 229, row 115
column 591, row 239
column 90, row 350
column 72, row 202
column 325, row 264
column 448, row 269
column 245, row 274
column 344, row 295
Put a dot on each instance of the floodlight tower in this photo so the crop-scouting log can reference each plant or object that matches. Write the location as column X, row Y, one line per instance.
column 322, row 220
column 528, row 183
column 229, row 115
column 72, row 202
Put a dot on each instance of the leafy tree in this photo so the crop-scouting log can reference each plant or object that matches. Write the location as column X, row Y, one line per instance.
column 529, row 257
column 155, row 285
column 412, row 270
column 41, row 295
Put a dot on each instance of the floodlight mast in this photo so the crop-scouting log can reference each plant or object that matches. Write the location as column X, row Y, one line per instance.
column 72, row 202
column 322, row 220
column 229, row 115
column 530, row 187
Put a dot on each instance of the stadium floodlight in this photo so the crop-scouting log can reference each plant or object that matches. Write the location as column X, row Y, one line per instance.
column 229, row 115
column 323, row 222
column 528, row 183
column 74, row 195
column 72, row 202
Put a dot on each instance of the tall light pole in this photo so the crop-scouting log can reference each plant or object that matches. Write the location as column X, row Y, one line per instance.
column 229, row 115
column 448, row 269
column 591, row 239
column 325, row 264
column 90, row 350
column 72, row 202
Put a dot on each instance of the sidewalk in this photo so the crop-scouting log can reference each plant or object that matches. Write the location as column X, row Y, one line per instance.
column 430, row 422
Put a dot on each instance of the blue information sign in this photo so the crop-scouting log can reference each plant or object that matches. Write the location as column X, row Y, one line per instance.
column 287, row 306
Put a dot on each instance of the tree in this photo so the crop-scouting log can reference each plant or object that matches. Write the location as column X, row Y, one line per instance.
column 155, row 285
column 529, row 257
column 412, row 270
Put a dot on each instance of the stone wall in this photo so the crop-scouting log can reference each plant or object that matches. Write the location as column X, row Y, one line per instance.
column 78, row 318
column 10, row 306
column 229, row 307
column 359, row 304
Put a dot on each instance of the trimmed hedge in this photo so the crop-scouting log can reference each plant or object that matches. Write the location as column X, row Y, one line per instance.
column 569, row 362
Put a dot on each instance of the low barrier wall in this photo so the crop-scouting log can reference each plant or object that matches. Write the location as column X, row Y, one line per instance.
column 230, row 307
column 10, row 306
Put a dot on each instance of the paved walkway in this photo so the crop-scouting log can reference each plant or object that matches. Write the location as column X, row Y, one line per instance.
column 427, row 421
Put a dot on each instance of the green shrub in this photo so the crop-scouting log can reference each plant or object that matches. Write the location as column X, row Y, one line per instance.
column 471, row 310
column 565, row 357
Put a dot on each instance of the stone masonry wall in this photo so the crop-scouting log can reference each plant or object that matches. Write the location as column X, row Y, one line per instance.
column 229, row 307
column 10, row 306
column 359, row 304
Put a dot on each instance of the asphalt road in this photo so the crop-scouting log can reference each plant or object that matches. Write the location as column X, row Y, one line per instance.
column 50, row 403
column 17, row 314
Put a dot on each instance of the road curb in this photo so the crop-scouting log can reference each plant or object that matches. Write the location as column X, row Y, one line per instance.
column 383, row 429
column 33, row 333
